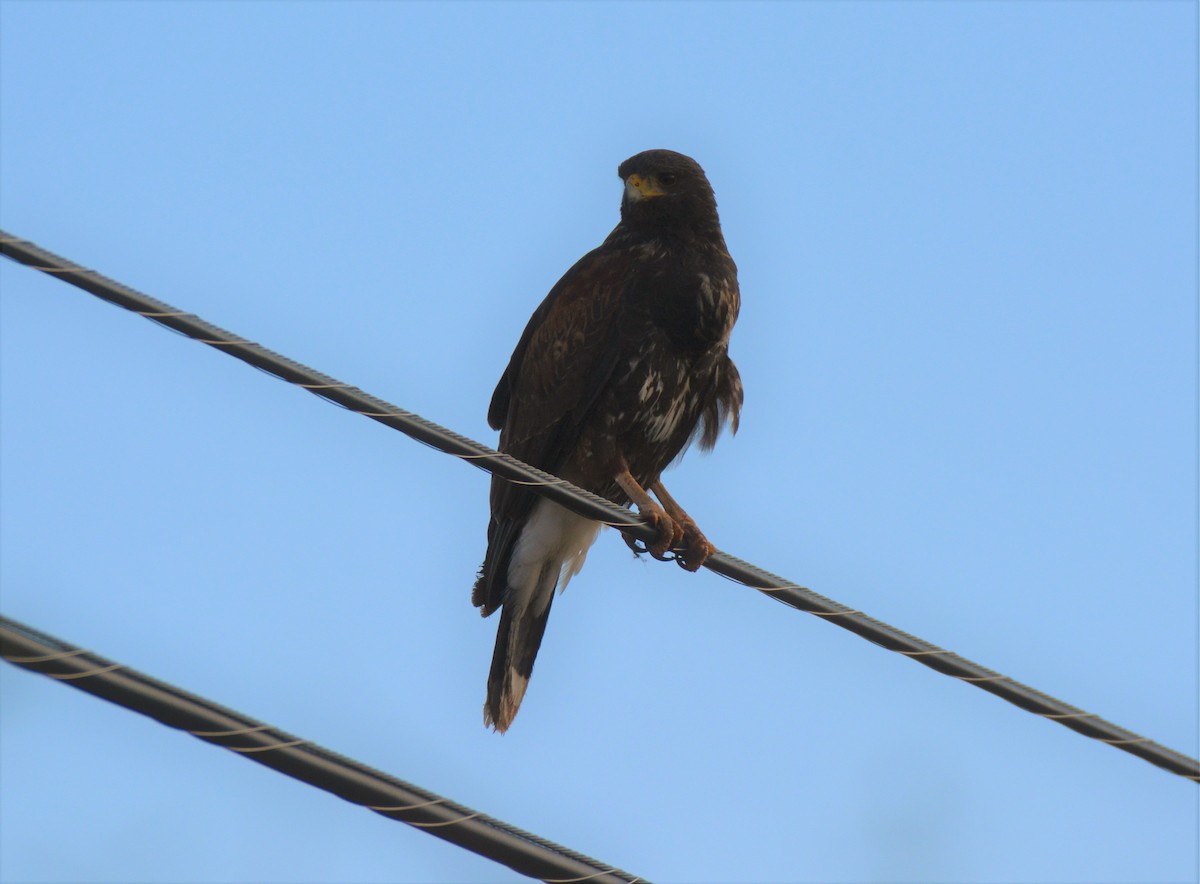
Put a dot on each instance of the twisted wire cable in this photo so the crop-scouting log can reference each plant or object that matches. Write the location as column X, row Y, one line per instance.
column 594, row 507
column 357, row 783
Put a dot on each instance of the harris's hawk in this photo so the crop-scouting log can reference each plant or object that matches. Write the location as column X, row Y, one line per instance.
column 624, row 364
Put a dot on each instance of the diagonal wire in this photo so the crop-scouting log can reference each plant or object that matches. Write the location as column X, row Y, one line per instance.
column 594, row 507
column 312, row 764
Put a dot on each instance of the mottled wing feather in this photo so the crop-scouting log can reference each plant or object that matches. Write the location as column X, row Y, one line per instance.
column 569, row 359
column 560, row 366
column 579, row 301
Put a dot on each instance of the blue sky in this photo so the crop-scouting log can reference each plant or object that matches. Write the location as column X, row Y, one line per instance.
column 966, row 235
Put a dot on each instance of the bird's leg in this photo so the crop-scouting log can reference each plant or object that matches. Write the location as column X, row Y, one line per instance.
column 669, row 532
column 696, row 548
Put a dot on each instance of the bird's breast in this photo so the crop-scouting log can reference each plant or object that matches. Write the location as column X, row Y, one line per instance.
column 689, row 295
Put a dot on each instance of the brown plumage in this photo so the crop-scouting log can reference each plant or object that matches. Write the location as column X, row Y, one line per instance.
column 622, row 365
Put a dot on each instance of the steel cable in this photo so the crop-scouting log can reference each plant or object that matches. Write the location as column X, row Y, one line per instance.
column 297, row 758
column 595, row 507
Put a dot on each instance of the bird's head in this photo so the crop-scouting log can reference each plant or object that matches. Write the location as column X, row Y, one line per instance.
column 666, row 188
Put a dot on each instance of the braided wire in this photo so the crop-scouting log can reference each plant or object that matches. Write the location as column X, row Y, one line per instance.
column 594, row 507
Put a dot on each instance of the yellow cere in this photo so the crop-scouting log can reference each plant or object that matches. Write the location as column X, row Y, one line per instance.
column 638, row 187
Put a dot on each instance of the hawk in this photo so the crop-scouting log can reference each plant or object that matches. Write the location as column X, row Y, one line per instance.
column 624, row 364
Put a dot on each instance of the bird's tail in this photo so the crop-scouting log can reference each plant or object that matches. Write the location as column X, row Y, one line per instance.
column 517, row 641
column 522, row 569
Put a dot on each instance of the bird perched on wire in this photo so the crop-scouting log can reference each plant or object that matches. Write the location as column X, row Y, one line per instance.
column 624, row 364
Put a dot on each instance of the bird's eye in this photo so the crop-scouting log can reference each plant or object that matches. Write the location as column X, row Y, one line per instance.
column 667, row 178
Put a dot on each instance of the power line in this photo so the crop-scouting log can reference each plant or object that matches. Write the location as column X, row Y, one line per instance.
column 595, row 507
column 297, row 758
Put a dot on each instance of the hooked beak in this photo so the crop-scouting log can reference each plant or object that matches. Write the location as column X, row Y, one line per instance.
column 639, row 188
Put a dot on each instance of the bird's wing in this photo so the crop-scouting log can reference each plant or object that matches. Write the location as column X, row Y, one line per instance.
column 563, row 361
column 561, row 365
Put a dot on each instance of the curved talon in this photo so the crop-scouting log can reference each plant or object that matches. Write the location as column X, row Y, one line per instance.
column 670, row 533
column 665, row 522
column 684, row 545
column 696, row 548
column 639, row 547
column 634, row 544
column 671, row 537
